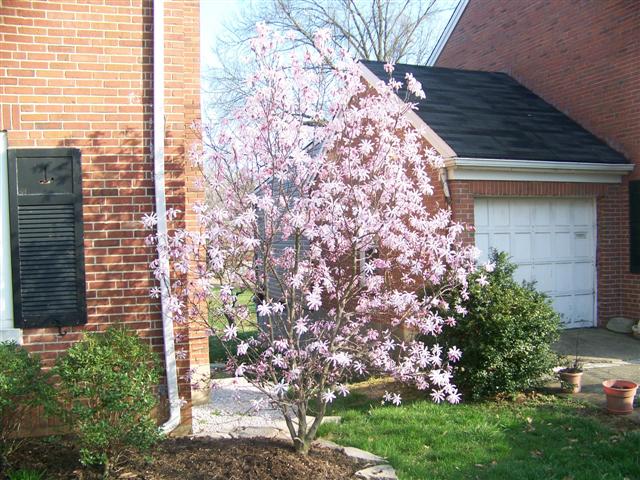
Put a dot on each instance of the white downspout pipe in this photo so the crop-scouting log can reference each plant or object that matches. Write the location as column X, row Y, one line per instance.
column 161, row 211
column 7, row 332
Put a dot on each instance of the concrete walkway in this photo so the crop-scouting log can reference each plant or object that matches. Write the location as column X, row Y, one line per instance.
column 606, row 355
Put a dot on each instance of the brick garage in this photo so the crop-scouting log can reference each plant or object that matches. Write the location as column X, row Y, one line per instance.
column 583, row 58
column 610, row 240
column 79, row 74
column 509, row 153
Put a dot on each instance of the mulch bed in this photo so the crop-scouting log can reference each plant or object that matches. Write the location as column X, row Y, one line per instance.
column 195, row 459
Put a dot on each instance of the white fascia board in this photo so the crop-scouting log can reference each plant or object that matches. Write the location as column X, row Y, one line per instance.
column 534, row 170
column 446, row 33
column 427, row 132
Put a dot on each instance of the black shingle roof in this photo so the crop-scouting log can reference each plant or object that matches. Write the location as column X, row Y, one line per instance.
column 490, row 115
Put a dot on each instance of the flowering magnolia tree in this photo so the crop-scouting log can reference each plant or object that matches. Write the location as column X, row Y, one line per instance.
column 319, row 204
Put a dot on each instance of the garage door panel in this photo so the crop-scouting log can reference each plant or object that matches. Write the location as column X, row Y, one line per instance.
column 541, row 213
column 562, row 213
column 564, row 278
column 582, row 214
column 562, row 244
column 500, row 241
column 482, row 242
column 543, row 276
column 520, row 214
column 583, row 310
column 551, row 241
column 521, row 247
column 583, row 275
column 583, row 244
column 564, row 305
column 499, row 214
column 542, row 246
column 481, row 213
column 523, row 273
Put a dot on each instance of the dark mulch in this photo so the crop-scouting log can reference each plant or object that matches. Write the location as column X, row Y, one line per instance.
column 195, row 459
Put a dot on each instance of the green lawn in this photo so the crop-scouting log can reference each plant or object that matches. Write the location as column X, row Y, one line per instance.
column 537, row 438
column 217, row 352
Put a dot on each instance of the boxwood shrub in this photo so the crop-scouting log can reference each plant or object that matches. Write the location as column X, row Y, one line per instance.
column 107, row 383
column 23, row 387
column 506, row 336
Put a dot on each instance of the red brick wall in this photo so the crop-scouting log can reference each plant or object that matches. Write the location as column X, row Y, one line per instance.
column 583, row 57
column 610, row 235
column 80, row 75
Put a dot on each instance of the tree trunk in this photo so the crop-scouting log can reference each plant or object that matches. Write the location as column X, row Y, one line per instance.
column 302, row 445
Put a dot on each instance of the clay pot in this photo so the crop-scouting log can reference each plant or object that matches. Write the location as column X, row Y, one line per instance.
column 570, row 380
column 620, row 395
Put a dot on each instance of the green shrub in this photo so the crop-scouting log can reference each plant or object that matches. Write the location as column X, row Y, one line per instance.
column 23, row 386
column 107, row 382
column 506, row 336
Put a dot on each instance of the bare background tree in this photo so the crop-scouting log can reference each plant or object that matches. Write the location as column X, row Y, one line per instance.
column 399, row 31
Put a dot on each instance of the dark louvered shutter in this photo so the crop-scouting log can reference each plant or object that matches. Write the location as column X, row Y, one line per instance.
column 47, row 254
column 634, row 223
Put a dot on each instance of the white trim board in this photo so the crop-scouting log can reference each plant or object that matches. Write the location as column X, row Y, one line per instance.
column 446, row 33
column 459, row 168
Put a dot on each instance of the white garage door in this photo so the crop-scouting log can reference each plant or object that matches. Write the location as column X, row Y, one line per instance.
column 553, row 243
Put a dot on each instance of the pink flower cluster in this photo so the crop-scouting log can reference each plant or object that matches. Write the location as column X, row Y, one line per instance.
column 320, row 204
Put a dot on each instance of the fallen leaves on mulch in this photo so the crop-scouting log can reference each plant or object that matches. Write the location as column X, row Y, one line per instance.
column 196, row 459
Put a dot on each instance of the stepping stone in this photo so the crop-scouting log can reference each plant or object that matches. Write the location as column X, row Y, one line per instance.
column 331, row 419
column 620, row 324
column 322, row 443
column 363, row 457
column 379, row 472
column 254, row 432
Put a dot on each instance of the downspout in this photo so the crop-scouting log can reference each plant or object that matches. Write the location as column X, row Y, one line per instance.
column 444, row 178
column 161, row 211
column 7, row 332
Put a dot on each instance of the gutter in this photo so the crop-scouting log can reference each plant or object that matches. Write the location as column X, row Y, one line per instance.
column 161, row 211
column 507, row 164
column 462, row 168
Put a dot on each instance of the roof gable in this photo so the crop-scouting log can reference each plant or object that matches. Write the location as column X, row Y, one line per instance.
column 490, row 115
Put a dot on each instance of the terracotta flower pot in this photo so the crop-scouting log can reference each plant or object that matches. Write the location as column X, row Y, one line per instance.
column 620, row 395
column 570, row 380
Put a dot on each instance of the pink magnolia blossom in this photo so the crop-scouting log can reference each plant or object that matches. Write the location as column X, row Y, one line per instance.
column 319, row 204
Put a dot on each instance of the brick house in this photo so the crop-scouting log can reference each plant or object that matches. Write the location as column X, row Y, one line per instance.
column 534, row 106
column 80, row 86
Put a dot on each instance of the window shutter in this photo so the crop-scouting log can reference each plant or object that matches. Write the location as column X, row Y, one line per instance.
column 45, row 201
column 634, row 225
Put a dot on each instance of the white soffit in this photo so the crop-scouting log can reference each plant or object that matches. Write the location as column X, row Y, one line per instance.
column 446, row 33
column 534, row 170
column 427, row 132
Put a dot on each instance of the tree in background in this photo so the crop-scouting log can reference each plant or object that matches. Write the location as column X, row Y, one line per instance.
column 384, row 30
column 320, row 206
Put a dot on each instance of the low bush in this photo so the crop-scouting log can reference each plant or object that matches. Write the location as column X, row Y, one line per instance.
column 107, row 382
column 506, row 336
column 23, row 386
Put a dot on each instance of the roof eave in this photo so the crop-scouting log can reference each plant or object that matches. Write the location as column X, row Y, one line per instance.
column 465, row 168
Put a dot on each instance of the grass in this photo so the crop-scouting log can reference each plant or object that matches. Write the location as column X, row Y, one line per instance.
column 537, row 437
column 217, row 352
column 26, row 474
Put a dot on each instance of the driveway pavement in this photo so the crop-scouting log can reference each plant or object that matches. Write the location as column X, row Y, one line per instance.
column 606, row 355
